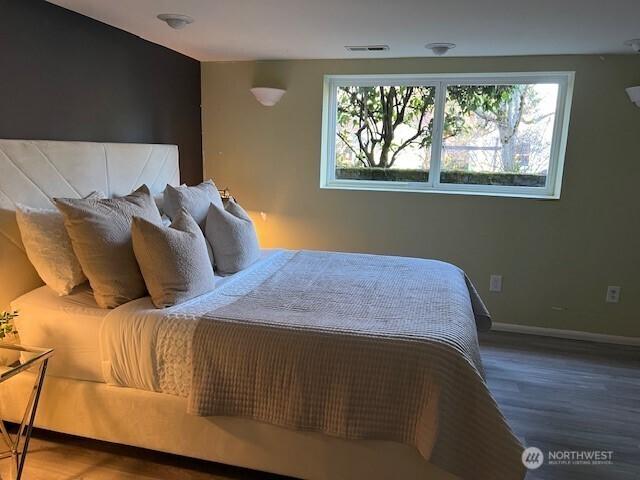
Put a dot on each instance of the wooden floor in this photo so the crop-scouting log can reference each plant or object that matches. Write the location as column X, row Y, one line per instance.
column 566, row 395
column 556, row 394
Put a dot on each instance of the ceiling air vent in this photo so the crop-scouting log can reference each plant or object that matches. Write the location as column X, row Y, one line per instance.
column 367, row 48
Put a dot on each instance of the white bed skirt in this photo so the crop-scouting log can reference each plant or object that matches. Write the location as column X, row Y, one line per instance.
column 159, row 422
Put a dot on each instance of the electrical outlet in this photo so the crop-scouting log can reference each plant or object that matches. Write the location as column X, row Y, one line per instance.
column 495, row 283
column 613, row 294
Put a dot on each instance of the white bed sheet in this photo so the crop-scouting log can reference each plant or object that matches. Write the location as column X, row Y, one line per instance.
column 132, row 333
column 69, row 324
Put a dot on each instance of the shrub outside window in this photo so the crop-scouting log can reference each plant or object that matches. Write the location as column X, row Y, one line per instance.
column 489, row 134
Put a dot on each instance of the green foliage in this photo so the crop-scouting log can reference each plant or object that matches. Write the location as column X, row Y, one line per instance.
column 464, row 99
column 448, row 176
column 6, row 326
column 368, row 117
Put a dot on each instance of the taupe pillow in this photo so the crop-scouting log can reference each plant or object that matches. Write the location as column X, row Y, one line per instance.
column 195, row 200
column 100, row 232
column 174, row 260
column 232, row 236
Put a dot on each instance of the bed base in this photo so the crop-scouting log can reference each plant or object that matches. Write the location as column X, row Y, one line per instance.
column 159, row 422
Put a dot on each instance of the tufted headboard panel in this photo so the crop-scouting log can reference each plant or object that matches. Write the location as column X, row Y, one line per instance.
column 32, row 172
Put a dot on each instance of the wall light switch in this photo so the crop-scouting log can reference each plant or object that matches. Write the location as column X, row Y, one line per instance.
column 613, row 294
column 495, row 283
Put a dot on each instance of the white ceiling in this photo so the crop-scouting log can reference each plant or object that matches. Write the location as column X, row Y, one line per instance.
column 299, row 29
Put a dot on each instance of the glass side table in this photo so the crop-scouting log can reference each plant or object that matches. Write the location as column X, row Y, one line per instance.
column 21, row 359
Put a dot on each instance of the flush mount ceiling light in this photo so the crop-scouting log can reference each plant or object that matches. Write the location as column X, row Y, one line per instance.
column 634, row 44
column 440, row 49
column 268, row 96
column 175, row 20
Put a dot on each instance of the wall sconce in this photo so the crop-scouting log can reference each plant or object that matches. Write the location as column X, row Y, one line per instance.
column 268, row 96
column 634, row 95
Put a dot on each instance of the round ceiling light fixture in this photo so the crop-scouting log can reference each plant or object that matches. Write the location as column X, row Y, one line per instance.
column 440, row 49
column 634, row 43
column 175, row 20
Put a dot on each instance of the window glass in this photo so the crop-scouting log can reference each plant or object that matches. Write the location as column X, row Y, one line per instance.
column 498, row 134
column 384, row 133
column 502, row 134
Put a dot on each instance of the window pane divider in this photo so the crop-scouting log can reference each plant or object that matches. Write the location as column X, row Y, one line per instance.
column 437, row 134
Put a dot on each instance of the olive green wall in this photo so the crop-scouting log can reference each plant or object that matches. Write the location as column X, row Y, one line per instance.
column 557, row 256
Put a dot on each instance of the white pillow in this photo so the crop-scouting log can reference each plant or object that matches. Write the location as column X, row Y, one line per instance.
column 48, row 247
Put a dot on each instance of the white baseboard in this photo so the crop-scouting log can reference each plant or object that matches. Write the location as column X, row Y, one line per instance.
column 571, row 334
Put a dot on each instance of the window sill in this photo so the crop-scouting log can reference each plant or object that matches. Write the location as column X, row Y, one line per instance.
column 412, row 188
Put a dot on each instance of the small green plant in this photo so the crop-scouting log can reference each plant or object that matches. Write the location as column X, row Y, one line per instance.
column 6, row 327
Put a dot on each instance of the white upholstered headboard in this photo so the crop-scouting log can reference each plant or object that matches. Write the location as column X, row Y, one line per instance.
column 32, row 172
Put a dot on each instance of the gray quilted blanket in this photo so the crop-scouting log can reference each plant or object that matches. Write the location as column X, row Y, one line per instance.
column 359, row 347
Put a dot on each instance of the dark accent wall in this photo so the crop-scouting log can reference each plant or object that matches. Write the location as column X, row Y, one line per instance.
column 64, row 76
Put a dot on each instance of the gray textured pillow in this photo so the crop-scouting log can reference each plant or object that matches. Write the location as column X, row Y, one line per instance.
column 174, row 260
column 100, row 232
column 232, row 236
column 195, row 200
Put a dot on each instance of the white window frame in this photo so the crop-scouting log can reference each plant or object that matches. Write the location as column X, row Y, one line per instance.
column 551, row 190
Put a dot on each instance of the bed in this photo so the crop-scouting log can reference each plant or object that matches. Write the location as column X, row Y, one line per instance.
column 140, row 376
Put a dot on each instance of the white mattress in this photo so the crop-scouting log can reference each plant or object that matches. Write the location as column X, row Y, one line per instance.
column 69, row 324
